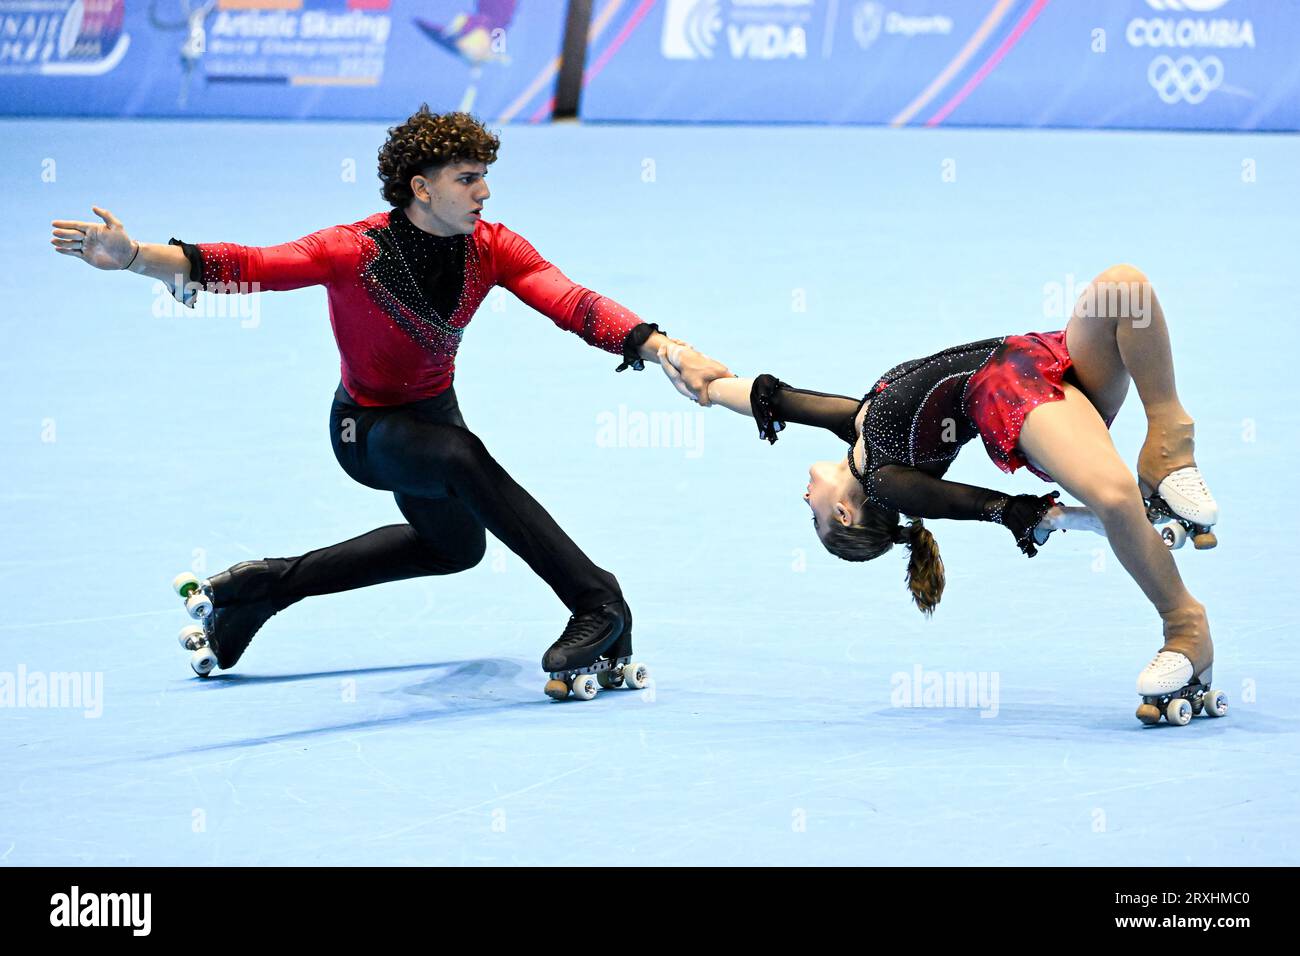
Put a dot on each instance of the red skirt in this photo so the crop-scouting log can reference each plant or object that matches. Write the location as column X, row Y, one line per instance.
column 1025, row 371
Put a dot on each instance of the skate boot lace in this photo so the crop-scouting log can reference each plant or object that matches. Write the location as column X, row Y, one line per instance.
column 579, row 629
column 1189, row 481
column 1166, row 659
column 1185, row 494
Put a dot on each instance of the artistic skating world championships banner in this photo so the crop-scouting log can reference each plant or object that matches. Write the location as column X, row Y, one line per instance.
column 1165, row 64
column 371, row 59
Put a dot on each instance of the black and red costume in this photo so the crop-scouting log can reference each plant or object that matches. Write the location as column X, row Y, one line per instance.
column 400, row 300
column 923, row 411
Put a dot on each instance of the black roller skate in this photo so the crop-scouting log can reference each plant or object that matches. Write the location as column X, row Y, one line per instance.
column 594, row 651
column 231, row 606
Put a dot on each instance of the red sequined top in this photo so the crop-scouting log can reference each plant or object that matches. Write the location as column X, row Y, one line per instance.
column 394, row 305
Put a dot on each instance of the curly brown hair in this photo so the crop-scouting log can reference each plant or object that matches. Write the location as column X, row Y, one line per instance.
column 427, row 142
column 877, row 532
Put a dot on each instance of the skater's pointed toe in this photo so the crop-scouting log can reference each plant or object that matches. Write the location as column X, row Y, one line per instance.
column 233, row 629
column 554, row 660
column 239, row 600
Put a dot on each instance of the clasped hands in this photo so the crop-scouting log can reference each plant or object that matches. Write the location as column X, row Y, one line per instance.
column 689, row 370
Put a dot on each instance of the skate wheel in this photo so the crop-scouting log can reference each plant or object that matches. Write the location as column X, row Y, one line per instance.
column 1179, row 711
column 557, row 689
column 203, row 661
column 1204, row 542
column 185, row 584
column 610, row 679
column 1216, row 703
column 1148, row 714
column 585, row 686
column 191, row 637
column 199, row 605
column 636, row 675
column 1174, row 535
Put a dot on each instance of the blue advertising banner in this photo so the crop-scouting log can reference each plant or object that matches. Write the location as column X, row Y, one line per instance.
column 1161, row 64
column 362, row 59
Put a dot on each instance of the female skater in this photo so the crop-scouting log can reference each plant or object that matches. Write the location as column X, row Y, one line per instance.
column 1044, row 400
column 403, row 284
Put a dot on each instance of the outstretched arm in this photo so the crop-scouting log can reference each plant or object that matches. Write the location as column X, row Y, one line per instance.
column 732, row 393
column 772, row 403
column 107, row 246
column 214, row 267
column 919, row 495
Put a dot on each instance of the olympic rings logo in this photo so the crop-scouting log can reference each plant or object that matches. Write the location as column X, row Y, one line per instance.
column 1186, row 78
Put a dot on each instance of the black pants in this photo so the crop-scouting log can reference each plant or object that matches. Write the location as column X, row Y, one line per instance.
column 449, row 489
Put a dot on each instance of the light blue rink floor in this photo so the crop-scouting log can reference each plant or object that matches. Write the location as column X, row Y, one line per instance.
column 405, row 724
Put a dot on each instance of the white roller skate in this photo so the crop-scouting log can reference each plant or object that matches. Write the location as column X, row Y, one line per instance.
column 1176, row 684
column 1173, row 488
column 1073, row 518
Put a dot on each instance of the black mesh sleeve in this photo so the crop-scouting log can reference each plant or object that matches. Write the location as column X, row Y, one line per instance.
column 774, row 404
column 919, row 495
column 632, row 343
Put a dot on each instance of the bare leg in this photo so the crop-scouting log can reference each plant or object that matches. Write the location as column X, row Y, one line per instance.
column 1069, row 441
column 1118, row 331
